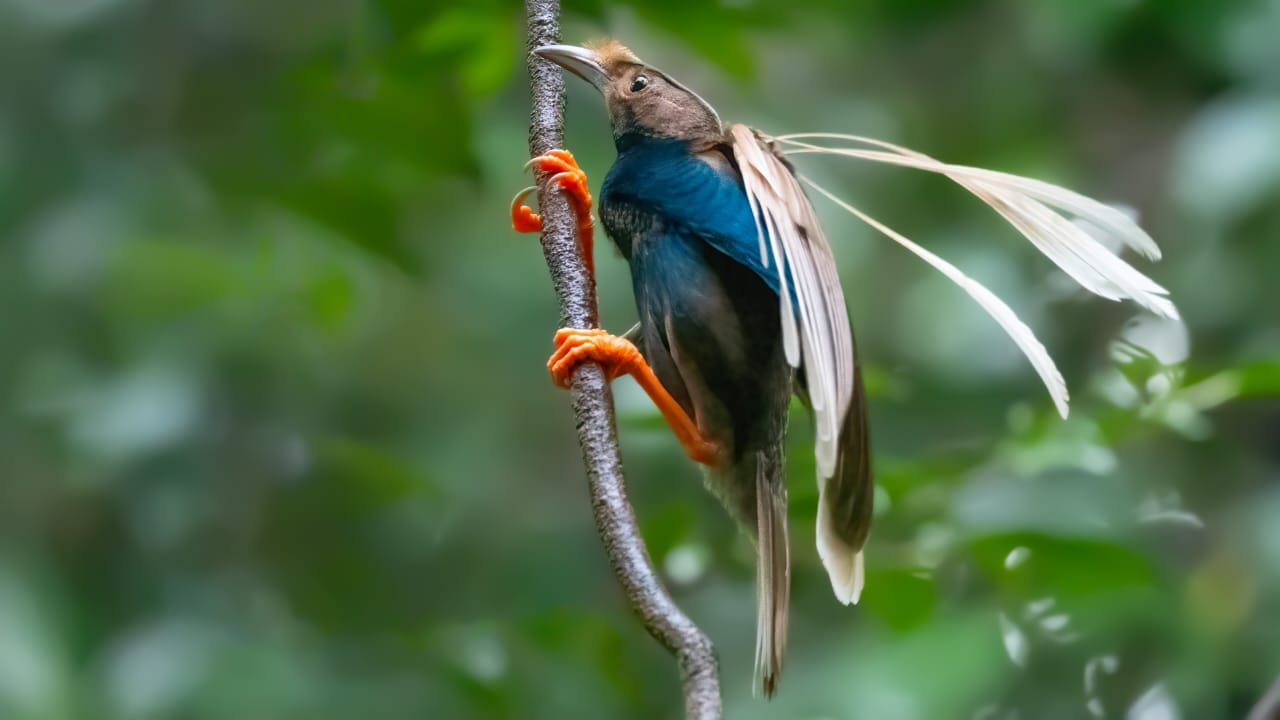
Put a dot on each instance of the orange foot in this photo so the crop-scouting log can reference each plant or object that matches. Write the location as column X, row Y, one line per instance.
column 573, row 181
column 618, row 356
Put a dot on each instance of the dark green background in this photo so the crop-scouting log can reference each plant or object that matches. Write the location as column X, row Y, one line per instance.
column 276, row 439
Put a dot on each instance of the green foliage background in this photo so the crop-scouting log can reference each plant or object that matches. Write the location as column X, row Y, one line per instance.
column 276, row 439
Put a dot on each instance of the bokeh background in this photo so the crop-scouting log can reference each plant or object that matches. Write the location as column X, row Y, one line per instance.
column 276, row 439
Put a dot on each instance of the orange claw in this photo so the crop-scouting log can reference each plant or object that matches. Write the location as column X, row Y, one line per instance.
column 573, row 181
column 618, row 356
column 523, row 218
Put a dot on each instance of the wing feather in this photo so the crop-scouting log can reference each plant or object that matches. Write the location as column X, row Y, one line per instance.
column 816, row 333
column 799, row 250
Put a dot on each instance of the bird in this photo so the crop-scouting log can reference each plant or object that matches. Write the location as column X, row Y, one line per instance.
column 741, row 308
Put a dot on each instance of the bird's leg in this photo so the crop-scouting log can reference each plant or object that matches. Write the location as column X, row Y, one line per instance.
column 573, row 181
column 618, row 356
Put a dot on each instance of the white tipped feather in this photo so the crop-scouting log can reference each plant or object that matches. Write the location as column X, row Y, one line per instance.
column 843, row 567
column 859, row 579
column 1017, row 330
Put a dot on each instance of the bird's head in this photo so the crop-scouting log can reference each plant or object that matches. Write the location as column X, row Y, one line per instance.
column 643, row 101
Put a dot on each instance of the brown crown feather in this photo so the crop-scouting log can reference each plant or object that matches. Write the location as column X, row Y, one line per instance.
column 612, row 54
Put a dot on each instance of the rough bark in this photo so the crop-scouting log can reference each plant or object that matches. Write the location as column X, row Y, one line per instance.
column 593, row 401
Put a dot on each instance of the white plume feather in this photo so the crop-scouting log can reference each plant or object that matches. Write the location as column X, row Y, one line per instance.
column 1028, row 205
column 1017, row 330
column 1110, row 219
column 1036, row 209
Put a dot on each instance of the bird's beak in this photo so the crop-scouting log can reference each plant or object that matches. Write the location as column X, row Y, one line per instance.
column 578, row 60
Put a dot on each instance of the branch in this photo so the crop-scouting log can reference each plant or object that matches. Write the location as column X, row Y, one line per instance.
column 593, row 401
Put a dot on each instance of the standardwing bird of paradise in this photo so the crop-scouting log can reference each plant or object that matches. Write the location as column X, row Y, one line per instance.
column 740, row 304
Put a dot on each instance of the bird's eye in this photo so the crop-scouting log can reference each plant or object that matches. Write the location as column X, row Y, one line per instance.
column 641, row 82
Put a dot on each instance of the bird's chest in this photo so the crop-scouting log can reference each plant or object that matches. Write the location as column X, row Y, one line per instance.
column 673, row 214
column 659, row 191
column 635, row 204
column 655, row 220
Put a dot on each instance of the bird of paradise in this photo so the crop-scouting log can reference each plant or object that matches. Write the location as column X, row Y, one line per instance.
column 741, row 306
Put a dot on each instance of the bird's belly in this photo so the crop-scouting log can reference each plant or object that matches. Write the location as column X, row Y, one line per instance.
column 710, row 329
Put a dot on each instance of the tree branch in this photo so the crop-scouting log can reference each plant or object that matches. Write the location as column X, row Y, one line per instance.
column 593, row 401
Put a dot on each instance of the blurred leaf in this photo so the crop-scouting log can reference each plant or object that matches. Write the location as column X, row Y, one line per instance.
column 1258, row 379
column 479, row 41
column 1062, row 567
column 901, row 598
column 326, row 539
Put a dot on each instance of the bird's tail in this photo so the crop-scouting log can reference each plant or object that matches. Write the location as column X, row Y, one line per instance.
column 773, row 569
column 845, row 502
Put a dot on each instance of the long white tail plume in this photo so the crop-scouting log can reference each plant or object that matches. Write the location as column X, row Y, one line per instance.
column 1018, row 330
column 1043, row 213
column 1029, row 205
